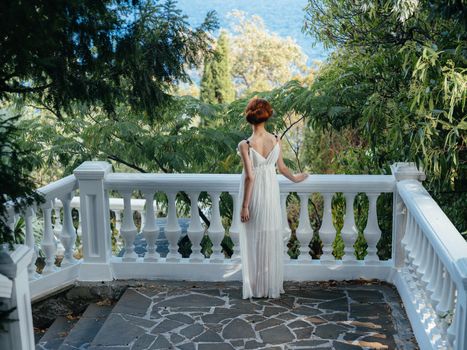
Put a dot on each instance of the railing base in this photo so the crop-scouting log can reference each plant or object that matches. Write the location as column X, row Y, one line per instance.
column 49, row 284
column 95, row 272
column 424, row 336
column 230, row 270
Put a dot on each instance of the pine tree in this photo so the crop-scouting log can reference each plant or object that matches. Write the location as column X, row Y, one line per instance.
column 207, row 93
column 216, row 84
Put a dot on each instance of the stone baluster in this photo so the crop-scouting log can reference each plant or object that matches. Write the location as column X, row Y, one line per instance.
column 304, row 231
column 128, row 230
column 79, row 229
column 431, row 287
column 438, row 291
column 118, row 220
column 407, row 233
column 446, row 303
column 57, row 225
column 48, row 243
column 285, row 223
column 195, row 230
column 172, row 229
column 29, row 216
column 372, row 231
column 453, row 334
column 68, row 233
column 150, row 230
column 349, row 232
column 424, row 263
column 412, row 241
column 417, row 261
column 142, row 215
column 216, row 231
column 327, row 232
column 234, row 230
column 415, row 246
column 430, row 269
column 57, row 228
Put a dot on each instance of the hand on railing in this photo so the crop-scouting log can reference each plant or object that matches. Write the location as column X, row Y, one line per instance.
column 299, row 177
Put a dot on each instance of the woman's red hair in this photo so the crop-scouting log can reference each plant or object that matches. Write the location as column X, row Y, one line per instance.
column 258, row 111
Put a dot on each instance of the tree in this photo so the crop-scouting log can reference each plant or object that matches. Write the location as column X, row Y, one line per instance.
column 399, row 74
column 98, row 52
column 85, row 58
column 17, row 160
column 216, row 83
column 262, row 60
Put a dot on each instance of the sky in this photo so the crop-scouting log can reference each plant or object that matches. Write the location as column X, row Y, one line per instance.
column 285, row 17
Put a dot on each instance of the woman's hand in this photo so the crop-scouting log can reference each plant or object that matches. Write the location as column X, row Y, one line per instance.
column 300, row 177
column 245, row 215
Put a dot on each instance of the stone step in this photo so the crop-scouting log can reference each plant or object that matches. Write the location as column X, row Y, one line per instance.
column 84, row 331
column 126, row 324
column 56, row 333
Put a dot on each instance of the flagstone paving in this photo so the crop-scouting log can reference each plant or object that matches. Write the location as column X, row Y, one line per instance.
column 204, row 315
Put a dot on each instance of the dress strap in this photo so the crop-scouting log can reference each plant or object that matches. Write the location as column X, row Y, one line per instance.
column 248, row 142
column 277, row 138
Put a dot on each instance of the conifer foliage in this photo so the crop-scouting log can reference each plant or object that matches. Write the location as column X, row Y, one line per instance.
column 216, row 84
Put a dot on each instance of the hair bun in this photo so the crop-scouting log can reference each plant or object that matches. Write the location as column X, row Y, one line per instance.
column 258, row 111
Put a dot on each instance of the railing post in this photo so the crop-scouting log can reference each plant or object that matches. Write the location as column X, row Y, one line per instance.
column 19, row 333
column 457, row 335
column 94, row 209
column 401, row 171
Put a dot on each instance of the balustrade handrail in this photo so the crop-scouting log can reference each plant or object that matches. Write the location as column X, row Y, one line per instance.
column 114, row 203
column 440, row 231
column 59, row 188
column 328, row 183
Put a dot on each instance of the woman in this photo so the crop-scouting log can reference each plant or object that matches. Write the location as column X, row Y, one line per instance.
column 261, row 228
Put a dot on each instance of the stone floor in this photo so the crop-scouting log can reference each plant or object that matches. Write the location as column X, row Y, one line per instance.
column 203, row 315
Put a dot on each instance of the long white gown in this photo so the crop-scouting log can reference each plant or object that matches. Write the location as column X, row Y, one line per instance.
column 261, row 240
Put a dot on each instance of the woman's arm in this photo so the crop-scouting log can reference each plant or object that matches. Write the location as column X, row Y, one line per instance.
column 284, row 170
column 249, row 179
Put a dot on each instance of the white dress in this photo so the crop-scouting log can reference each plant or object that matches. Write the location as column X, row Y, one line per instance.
column 261, row 240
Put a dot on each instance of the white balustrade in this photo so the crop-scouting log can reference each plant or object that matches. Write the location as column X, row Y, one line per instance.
column 434, row 273
column 216, row 231
column 128, row 229
column 285, row 224
column 327, row 231
column 79, row 229
column 118, row 219
column 48, row 243
column 349, row 231
column 172, row 229
column 30, row 242
column 68, row 232
column 195, row 230
column 57, row 224
column 304, row 230
column 150, row 230
column 430, row 272
column 372, row 232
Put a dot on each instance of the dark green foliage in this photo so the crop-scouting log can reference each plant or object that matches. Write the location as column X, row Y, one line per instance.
column 98, row 52
column 74, row 59
column 216, row 83
column 397, row 75
column 17, row 188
